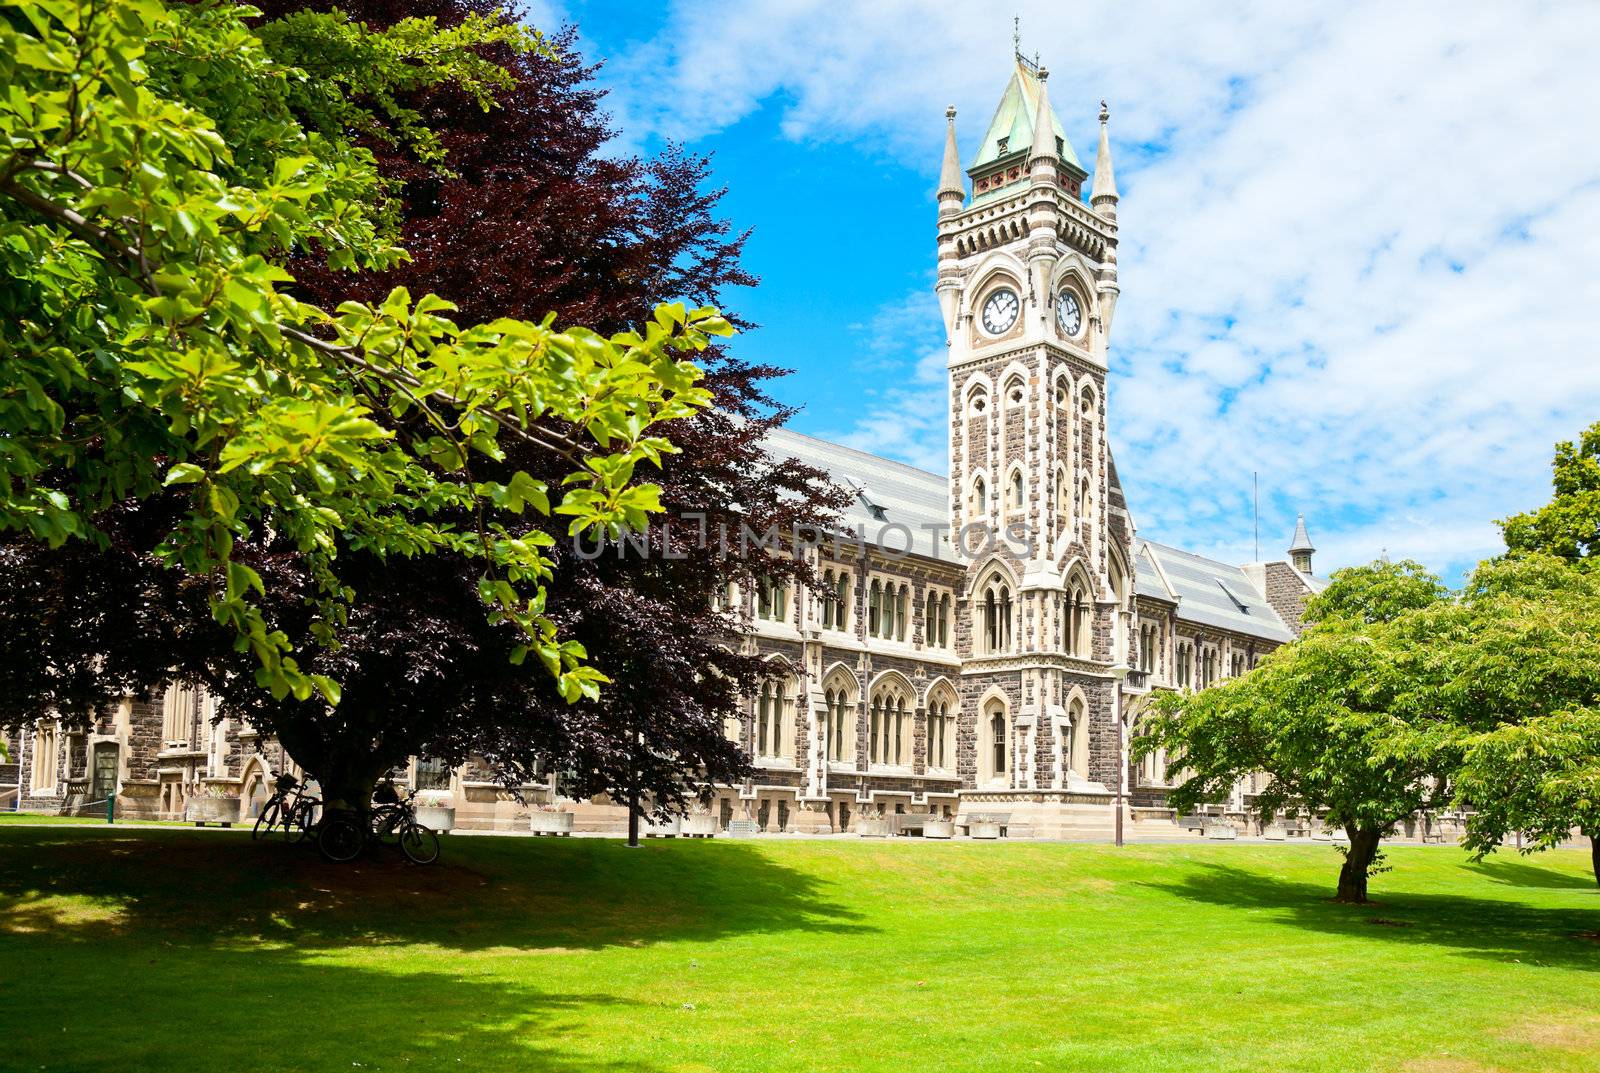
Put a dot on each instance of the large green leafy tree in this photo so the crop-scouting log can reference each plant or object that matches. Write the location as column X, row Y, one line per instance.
column 1535, row 772
column 154, row 365
column 1334, row 719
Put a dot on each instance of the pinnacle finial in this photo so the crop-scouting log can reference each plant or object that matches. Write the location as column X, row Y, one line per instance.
column 1044, row 141
column 1016, row 34
column 1103, row 195
column 952, row 191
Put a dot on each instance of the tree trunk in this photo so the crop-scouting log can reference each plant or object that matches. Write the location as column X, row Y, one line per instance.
column 346, row 775
column 633, row 816
column 1594, row 853
column 1357, row 859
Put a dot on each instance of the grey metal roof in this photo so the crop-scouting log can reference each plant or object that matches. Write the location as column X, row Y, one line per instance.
column 888, row 494
column 1213, row 594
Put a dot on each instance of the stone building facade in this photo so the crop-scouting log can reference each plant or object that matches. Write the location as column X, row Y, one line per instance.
column 979, row 642
column 983, row 641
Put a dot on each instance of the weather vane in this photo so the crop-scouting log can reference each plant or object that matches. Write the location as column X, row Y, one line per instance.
column 1016, row 34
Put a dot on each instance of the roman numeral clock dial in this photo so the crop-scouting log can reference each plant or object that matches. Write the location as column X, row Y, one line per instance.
column 1000, row 312
column 1069, row 315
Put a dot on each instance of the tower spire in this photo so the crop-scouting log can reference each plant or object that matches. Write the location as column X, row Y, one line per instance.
column 1103, row 195
column 952, row 190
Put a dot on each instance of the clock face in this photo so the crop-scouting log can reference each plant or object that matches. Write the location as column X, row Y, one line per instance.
column 1068, row 313
column 1000, row 312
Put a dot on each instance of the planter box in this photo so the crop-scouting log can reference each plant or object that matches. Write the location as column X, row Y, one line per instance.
column 700, row 826
column 1222, row 831
column 939, row 829
column 437, row 817
column 874, row 827
column 1275, row 832
column 223, row 810
column 665, row 829
column 983, row 829
column 550, row 823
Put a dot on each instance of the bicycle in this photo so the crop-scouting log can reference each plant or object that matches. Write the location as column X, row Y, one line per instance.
column 341, row 836
column 290, row 809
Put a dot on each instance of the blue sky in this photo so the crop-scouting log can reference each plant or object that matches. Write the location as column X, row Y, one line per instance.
column 1360, row 243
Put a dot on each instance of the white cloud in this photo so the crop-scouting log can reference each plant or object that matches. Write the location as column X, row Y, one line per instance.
column 1361, row 243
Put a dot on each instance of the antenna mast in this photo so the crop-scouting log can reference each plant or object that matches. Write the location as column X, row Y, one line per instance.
column 1255, row 484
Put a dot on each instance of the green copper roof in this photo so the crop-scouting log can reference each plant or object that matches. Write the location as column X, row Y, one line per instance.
column 1013, row 121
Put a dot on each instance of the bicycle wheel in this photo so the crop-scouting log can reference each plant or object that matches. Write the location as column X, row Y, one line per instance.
column 296, row 825
column 387, row 822
column 266, row 821
column 305, row 820
column 341, row 839
column 420, row 844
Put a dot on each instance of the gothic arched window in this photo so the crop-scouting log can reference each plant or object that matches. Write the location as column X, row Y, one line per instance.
column 1078, row 750
column 1015, row 392
column 997, row 616
column 941, row 728
column 839, row 696
column 995, row 758
column 775, row 719
column 889, row 724
column 978, row 401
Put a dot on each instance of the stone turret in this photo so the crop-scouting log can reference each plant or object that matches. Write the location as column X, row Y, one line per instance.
column 1301, row 549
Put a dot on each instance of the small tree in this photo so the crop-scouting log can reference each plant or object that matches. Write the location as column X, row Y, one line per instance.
column 1330, row 718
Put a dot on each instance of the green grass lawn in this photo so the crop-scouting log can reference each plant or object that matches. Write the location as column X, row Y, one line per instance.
column 178, row 950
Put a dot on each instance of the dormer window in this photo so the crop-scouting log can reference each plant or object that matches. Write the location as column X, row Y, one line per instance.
column 1002, row 145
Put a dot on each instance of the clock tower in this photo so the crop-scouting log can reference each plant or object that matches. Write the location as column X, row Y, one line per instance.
column 1027, row 285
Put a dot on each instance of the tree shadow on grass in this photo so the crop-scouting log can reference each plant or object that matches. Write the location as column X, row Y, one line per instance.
column 1522, row 872
column 502, row 893
column 206, row 951
column 1476, row 927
